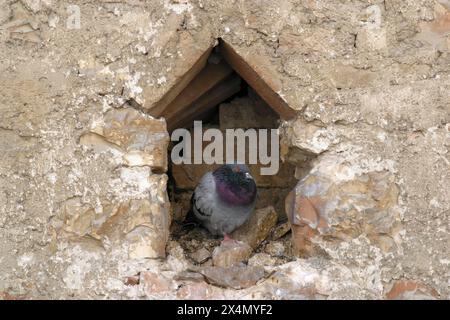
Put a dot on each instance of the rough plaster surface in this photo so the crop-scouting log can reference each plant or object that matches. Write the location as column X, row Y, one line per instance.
column 370, row 83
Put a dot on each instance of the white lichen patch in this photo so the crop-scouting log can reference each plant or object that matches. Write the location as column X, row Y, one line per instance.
column 26, row 260
column 134, row 183
column 346, row 167
column 161, row 80
column 314, row 139
column 81, row 264
column 180, row 7
column 132, row 84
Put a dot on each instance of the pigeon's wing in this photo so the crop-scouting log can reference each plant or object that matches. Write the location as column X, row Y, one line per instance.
column 204, row 197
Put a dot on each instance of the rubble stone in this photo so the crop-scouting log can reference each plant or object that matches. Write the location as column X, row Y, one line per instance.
column 155, row 284
column 337, row 204
column 231, row 253
column 201, row 255
column 257, row 228
column 411, row 290
column 199, row 291
column 236, row 277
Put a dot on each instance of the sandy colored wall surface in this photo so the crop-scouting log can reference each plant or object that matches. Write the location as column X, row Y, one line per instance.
column 84, row 211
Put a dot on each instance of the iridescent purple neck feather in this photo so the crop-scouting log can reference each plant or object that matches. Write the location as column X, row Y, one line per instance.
column 234, row 185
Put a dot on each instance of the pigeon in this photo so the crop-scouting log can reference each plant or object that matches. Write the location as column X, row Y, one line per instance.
column 224, row 199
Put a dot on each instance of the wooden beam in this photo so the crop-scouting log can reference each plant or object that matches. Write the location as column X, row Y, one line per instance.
column 262, row 86
column 157, row 109
column 210, row 99
column 209, row 77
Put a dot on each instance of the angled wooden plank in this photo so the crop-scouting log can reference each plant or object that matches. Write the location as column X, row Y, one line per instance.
column 200, row 107
column 210, row 76
column 263, row 84
column 157, row 109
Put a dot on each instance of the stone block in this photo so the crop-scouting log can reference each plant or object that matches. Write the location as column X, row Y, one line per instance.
column 138, row 139
column 231, row 253
column 411, row 290
column 155, row 284
column 257, row 228
column 333, row 205
column 247, row 113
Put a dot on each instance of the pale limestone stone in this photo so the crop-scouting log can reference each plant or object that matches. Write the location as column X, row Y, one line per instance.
column 140, row 139
column 201, row 255
column 261, row 259
column 339, row 202
column 143, row 223
column 257, row 228
column 231, row 253
column 200, row 291
column 147, row 229
column 236, row 277
column 155, row 284
column 312, row 139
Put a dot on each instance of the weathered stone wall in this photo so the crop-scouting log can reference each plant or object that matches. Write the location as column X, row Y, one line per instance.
column 83, row 204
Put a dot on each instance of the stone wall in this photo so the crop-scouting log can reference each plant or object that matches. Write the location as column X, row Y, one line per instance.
column 84, row 211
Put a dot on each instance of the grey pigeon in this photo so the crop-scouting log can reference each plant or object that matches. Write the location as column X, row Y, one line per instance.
column 224, row 199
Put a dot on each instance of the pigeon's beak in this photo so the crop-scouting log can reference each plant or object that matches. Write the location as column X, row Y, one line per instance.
column 248, row 176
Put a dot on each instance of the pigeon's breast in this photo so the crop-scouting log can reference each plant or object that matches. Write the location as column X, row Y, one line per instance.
column 235, row 196
column 219, row 208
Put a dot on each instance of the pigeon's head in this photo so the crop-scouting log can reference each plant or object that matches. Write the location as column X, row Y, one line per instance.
column 235, row 185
